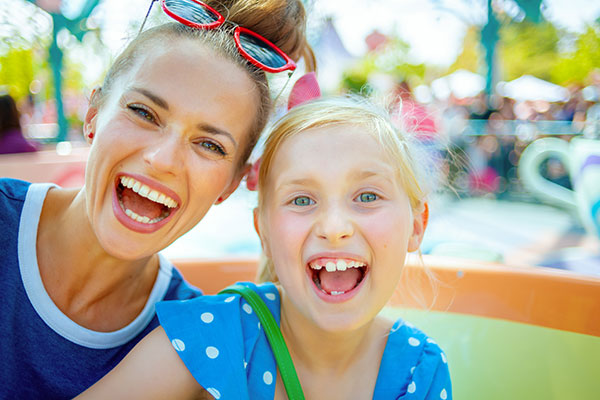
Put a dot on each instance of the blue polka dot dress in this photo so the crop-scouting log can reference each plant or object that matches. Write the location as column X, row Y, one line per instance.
column 222, row 343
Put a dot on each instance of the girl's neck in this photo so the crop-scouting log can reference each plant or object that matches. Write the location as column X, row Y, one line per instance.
column 82, row 279
column 344, row 363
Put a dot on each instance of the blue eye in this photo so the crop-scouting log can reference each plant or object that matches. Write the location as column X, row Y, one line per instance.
column 367, row 197
column 303, row 201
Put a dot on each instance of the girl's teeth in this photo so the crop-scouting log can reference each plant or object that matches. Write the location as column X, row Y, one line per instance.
column 341, row 265
column 335, row 292
column 330, row 266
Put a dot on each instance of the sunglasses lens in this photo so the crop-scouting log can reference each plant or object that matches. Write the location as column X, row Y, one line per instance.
column 261, row 51
column 191, row 11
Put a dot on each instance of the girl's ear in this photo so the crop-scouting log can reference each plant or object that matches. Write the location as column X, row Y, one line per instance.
column 263, row 242
column 420, row 221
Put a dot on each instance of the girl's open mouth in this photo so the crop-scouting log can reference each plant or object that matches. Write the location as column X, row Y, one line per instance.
column 141, row 207
column 336, row 279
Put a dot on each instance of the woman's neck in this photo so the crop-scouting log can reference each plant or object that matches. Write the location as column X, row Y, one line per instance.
column 94, row 289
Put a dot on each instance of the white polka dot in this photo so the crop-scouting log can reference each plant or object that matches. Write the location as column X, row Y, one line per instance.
column 409, row 324
column 268, row 377
column 178, row 344
column 270, row 296
column 245, row 364
column 214, row 392
column 412, row 370
column 247, row 308
column 430, row 340
column 229, row 299
column 207, row 317
column 443, row 358
column 259, row 326
column 212, row 352
column 412, row 387
column 413, row 341
column 443, row 394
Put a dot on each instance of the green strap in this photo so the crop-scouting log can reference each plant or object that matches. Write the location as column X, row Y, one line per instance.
column 282, row 356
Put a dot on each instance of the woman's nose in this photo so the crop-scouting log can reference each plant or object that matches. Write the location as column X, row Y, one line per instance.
column 165, row 155
column 334, row 224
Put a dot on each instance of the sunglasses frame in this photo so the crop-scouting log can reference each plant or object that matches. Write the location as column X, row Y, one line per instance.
column 289, row 65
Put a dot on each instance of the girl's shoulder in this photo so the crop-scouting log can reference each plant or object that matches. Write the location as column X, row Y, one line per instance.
column 413, row 364
column 220, row 340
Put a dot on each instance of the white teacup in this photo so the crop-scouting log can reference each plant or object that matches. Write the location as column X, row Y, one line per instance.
column 581, row 158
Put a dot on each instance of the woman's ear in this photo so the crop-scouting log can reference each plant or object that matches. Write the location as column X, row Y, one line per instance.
column 89, row 122
column 420, row 221
column 235, row 182
column 263, row 242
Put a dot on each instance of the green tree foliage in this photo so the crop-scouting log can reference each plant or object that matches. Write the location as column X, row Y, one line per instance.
column 528, row 48
column 391, row 59
column 575, row 66
column 17, row 71
column 471, row 56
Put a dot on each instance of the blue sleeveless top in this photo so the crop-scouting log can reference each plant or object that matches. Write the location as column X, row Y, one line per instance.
column 43, row 353
column 221, row 341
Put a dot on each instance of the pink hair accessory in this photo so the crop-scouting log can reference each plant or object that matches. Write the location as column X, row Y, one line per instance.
column 306, row 88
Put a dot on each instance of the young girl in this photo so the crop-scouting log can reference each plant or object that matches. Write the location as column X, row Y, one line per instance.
column 341, row 203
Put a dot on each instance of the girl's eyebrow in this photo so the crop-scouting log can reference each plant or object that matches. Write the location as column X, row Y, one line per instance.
column 159, row 101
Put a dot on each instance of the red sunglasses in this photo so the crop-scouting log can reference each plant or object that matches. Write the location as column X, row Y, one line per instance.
column 253, row 47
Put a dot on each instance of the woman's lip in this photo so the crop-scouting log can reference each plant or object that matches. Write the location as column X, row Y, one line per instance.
column 140, row 226
column 152, row 184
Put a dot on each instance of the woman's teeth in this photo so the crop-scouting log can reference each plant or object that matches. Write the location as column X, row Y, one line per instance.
column 144, row 219
column 145, row 191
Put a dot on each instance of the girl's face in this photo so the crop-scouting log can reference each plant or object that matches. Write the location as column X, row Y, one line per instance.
column 166, row 146
column 337, row 226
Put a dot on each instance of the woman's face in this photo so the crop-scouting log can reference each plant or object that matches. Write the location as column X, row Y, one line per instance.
column 166, row 146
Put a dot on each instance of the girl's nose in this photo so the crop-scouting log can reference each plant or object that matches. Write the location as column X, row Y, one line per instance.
column 334, row 224
column 166, row 155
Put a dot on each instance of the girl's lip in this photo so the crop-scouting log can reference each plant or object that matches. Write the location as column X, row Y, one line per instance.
column 331, row 254
column 339, row 298
column 140, row 226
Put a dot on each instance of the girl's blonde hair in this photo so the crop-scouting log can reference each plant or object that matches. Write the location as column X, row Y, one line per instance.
column 400, row 147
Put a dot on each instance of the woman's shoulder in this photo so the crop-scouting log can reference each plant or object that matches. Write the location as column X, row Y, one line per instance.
column 414, row 364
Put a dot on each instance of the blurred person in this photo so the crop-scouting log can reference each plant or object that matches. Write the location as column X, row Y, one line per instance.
column 11, row 136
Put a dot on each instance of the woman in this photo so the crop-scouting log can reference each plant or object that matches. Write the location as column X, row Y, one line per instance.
column 170, row 131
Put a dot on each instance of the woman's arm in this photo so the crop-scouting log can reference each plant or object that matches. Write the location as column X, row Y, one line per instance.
column 152, row 370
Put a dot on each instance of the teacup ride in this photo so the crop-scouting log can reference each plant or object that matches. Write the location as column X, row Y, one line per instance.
column 509, row 332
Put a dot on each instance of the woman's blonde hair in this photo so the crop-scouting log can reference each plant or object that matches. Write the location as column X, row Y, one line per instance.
column 283, row 22
column 400, row 147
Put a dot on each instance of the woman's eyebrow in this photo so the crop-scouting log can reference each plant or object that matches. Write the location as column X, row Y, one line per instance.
column 159, row 101
column 217, row 131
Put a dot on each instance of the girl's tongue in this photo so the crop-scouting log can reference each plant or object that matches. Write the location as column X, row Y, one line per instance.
column 339, row 281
